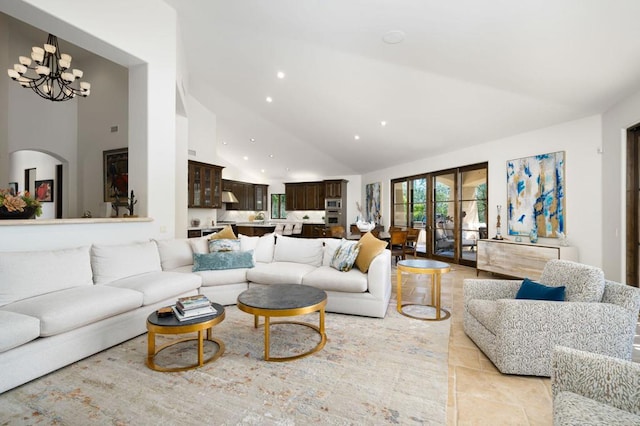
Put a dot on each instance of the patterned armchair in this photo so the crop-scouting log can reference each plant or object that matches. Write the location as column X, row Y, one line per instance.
column 518, row 336
column 594, row 389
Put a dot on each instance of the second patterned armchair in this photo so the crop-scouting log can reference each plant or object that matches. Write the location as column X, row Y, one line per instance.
column 518, row 335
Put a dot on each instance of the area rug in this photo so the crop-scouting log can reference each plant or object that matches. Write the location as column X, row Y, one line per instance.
column 371, row 371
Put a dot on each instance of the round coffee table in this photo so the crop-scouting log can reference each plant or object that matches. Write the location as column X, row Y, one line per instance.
column 284, row 300
column 171, row 325
column 423, row 266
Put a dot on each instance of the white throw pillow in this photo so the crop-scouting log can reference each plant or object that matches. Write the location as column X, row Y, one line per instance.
column 175, row 253
column 262, row 247
column 112, row 262
column 28, row 274
column 298, row 250
column 330, row 247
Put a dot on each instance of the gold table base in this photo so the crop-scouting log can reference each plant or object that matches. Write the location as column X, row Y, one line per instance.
column 268, row 313
column 426, row 267
column 200, row 328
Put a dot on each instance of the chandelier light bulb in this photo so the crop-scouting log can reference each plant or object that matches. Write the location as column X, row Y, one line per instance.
column 48, row 73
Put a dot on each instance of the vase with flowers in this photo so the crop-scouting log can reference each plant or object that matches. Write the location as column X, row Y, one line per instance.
column 18, row 206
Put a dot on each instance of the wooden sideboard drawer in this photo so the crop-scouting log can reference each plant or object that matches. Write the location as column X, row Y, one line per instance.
column 519, row 259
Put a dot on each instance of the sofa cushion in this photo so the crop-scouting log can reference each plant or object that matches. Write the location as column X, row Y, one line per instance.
column 222, row 260
column 299, row 250
column 485, row 312
column 330, row 247
column 370, row 247
column 199, row 245
column 279, row 272
column 17, row 329
column 584, row 283
column 223, row 277
column 572, row 409
column 175, row 253
column 263, row 247
column 345, row 256
column 330, row 279
column 69, row 309
column 224, row 244
column 159, row 286
column 113, row 262
column 536, row 291
column 28, row 274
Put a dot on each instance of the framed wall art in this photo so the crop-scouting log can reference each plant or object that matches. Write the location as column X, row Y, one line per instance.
column 44, row 191
column 116, row 175
column 373, row 198
column 536, row 195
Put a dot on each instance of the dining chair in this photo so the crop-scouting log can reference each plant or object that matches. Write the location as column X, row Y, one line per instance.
column 398, row 243
column 279, row 228
column 337, row 231
column 412, row 240
column 288, row 229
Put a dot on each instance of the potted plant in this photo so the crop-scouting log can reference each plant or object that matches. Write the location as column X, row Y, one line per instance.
column 18, row 206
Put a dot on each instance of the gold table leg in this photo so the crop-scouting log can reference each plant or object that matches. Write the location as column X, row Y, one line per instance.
column 267, row 325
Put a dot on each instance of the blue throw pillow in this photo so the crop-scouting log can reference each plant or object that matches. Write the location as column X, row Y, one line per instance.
column 222, row 260
column 535, row 291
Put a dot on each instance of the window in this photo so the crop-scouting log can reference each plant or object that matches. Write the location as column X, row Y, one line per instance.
column 278, row 206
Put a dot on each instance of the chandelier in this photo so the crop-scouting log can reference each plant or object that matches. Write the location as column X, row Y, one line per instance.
column 48, row 73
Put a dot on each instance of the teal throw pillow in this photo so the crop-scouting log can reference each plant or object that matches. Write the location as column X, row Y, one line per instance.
column 345, row 255
column 224, row 244
column 536, row 291
column 222, row 260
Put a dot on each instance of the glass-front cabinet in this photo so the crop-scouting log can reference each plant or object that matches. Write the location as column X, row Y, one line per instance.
column 204, row 185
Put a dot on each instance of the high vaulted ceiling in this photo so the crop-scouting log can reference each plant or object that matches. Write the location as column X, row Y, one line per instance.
column 467, row 72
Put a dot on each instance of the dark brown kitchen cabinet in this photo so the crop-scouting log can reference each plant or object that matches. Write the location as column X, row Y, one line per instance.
column 250, row 196
column 204, row 185
column 260, row 196
column 335, row 188
column 305, row 196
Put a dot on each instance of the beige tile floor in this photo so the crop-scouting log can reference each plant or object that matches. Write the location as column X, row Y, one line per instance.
column 478, row 393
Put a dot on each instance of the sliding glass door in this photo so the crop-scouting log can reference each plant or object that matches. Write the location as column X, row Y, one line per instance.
column 449, row 208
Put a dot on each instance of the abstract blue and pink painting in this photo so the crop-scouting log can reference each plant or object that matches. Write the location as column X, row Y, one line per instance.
column 373, row 202
column 536, row 195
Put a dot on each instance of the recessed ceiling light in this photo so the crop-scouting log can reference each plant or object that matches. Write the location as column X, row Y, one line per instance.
column 357, row 137
column 245, row 157
column 383, row 123
column 394, row 37
column 280, row 75
column 224, row 142
column 252, row 140
column 271, row 155
column 262, row 170
column 269, row 99
column 288, row 169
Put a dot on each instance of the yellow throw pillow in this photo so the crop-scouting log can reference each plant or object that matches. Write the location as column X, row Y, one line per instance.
column 226, row 233
column 370, row 247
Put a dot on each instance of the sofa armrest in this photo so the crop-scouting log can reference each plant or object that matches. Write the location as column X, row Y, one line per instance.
column 605, row 379
column 379, row 275
column 623, row 295
column 489, row 289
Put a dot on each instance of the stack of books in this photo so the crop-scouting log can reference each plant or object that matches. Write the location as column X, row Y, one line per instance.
column 188, row 308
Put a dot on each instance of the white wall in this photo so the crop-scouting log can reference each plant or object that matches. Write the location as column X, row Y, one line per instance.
column 122, row 32
column 579, row 139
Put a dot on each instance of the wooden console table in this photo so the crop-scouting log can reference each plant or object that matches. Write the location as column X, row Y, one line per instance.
column 520, row 260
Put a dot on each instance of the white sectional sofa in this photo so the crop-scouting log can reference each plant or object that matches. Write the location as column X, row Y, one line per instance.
column 59, row 306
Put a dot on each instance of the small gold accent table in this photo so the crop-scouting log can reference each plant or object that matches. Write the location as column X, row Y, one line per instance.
column 428, row 267
column 171, row 325
column 284, row 300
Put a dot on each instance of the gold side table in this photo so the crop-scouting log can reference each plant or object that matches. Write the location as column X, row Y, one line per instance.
column 284, row 300
column 427, row 267
column 171, row 325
